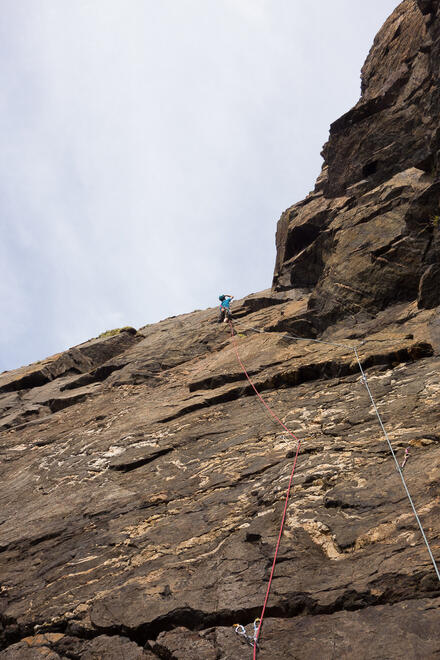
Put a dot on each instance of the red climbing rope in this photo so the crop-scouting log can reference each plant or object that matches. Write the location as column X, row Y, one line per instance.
column 298, row 445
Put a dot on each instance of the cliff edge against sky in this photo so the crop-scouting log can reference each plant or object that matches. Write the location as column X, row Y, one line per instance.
column 142, row 482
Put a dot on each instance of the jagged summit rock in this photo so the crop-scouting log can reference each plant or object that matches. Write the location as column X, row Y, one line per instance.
column 365, row 237
column 142, row 482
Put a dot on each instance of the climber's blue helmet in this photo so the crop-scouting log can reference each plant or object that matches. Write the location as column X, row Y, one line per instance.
column 221, row 298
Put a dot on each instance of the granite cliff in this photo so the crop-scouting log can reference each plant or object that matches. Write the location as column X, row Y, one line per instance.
column 142, row 482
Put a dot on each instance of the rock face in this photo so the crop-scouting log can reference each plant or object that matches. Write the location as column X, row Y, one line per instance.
column 367, row 234
column 142, row 482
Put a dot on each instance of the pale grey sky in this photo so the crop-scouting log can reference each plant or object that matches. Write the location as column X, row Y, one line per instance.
column 149, row 148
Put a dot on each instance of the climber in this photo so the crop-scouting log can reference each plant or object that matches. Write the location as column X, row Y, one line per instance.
column 224, row 312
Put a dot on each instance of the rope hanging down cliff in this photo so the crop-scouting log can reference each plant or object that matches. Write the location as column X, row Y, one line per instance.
column 298, row 445
column 398, row 468
column 365, row 383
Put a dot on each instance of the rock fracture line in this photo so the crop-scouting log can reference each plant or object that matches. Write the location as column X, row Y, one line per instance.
column 298, row 445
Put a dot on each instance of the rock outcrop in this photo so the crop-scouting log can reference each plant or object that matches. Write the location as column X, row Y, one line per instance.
column 368, row 233
column 142, row 482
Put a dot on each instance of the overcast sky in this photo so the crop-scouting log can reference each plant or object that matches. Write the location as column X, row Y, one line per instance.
column 149, row 148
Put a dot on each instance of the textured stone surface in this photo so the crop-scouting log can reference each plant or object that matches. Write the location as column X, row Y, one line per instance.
column 59, row 381
column 142, row 482
column 162, row 531
column 366, row 235
column 56, row 645
column 429, row 287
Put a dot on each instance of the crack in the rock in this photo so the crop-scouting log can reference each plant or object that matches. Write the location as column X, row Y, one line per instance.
column 96, row 375
column 328, row 369
column 390, row 589
column 134, row 464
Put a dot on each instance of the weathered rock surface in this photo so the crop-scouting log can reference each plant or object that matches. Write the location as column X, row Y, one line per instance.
column 56, row 645
column 367, row 234
column 149, row 511
column 142, row 482
column 429, row 287
column 42, row 388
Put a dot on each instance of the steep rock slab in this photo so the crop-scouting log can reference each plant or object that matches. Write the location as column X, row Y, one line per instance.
column 368, row 233
column 141, row 519
column 40, row 389
column 391, row 128
column 133, row 528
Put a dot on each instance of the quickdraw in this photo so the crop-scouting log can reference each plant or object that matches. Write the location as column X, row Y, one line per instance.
column 241, row 630
column 258, row 622
column 405, row 458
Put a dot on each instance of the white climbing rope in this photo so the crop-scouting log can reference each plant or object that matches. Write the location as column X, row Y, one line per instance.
column 398, row 468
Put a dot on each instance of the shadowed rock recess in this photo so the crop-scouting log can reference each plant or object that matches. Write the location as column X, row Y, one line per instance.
column 142, row 482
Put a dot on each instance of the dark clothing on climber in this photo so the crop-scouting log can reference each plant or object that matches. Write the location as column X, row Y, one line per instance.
column 224, row 311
